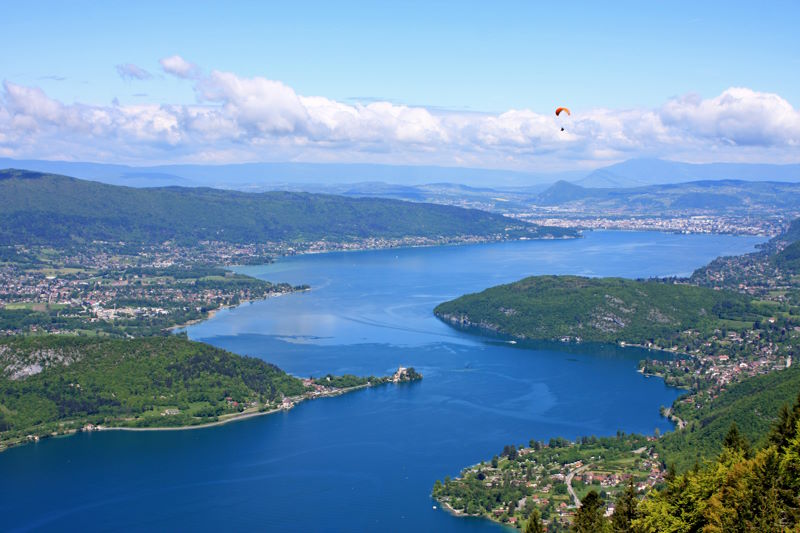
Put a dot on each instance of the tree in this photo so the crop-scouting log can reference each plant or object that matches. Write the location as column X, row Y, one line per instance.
column 534, row 523
column 510, row 451
column 766, row 495
column 790, row 478
column 589, row 518
column 783, row 430
column 734, row 493
column 530, row 507
column 671, row 472
column 625, row 509
column 734, row 440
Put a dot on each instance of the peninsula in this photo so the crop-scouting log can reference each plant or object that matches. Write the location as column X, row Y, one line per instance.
column 730, row 334
column 82, row 257
column 55, row 385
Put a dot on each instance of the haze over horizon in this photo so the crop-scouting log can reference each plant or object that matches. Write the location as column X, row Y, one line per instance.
column 175, row 85
column 408, row 266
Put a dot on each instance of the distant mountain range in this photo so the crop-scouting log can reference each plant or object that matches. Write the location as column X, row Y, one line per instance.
column 38, row 208
column 308, row 177
column 637, row 186
column 640, row 172
column 363, row 178
column 713, row 196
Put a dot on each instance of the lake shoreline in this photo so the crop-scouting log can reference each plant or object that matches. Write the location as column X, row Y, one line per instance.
column 578, row 235
column 368, row 460
column 397, row 378
column 213, row 312
column 244, row 415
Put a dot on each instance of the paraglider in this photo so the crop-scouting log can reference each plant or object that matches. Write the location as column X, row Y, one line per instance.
column 560, row 110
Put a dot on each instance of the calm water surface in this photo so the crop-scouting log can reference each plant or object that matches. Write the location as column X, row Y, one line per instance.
column 366, row 460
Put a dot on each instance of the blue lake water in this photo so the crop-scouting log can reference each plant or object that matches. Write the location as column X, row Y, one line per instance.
column 365, row 460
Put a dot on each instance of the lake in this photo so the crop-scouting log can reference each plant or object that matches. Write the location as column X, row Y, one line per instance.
column 365, row 460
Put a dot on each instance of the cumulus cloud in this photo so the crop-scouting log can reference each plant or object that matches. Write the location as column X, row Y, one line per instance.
column 739, row 116
column 254, row 118
column 129, row 71
column 178, row 66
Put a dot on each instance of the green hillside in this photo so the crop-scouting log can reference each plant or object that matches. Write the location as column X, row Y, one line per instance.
column 49, row 209
column 595, row 309
column 792, row 233
column 737, row 491
column 55, row 383
column 752, row 404
column 788, row 259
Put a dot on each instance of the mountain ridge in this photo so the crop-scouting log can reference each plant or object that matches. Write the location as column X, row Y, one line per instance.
column 314, row 176
column 645, row 171
column 44, row 208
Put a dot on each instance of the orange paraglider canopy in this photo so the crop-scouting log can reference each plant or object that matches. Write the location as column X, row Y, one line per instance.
column 564, row 109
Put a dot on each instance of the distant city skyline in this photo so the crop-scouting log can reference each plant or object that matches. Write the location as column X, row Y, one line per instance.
column 452, row 84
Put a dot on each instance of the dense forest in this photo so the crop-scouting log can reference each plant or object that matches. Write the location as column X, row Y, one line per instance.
column 753, row 405
column 49, row 209
column 740, row 490
column 56, row 383
column 596, row 309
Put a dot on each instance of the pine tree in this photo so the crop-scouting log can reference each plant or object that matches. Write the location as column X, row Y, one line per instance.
column 766, row 494
column 783, row 430
column 790, row 479
column 535, row 523
column 625, row 510
column 589, row 518
column 733, row 493
column 734, row 440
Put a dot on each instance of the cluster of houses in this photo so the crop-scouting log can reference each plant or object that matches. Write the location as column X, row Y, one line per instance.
column 544, row 482
column 376, row 243
column 677, row 223
column 90, row 293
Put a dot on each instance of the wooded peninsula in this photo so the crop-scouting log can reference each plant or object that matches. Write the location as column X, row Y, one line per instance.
column 728, row 334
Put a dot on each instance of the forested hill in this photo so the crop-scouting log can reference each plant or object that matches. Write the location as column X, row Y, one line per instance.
column 753, row 405
column 594, row 309
column 55, row 383
column 39, row 208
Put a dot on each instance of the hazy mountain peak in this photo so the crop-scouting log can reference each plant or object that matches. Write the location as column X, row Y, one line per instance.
column 651, row 171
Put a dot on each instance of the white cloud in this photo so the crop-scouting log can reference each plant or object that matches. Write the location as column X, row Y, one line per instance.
column 30, row 103
column 739, row 116
column 178, row 66
column 258, row 105
column 238, row 118
column 129, row 71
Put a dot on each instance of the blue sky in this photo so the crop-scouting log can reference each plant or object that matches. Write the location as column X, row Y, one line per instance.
column 446, row 57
